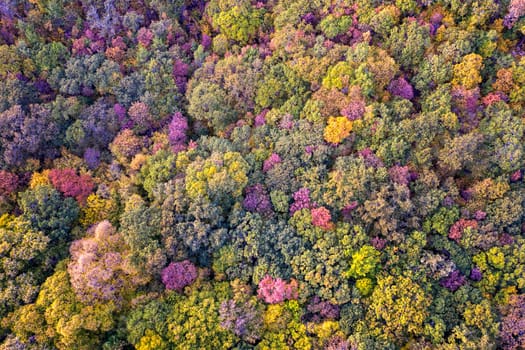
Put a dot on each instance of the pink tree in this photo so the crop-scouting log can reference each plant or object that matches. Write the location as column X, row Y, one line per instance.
column 100, row 269
column 178, row 275
column 456, row 231
column 321, row 218
column 271, row 161
column 8, row 182
column 72, row 185
column 275, row 290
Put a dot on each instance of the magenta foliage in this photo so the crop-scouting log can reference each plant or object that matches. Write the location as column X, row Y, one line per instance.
column 72, row 185
column 370, row 158
column 260, row 119
column 120, row 111
column 466, row 101
column 402, row 88
column 493, row 97
column 80, row 46
column 257, row 200
column 310, row 149
column 301, row 200
column 513, row 323
column 271, row 161
column 177, row 132
column 180, row 75
column 378, row 243
column 206, row 41
column 480, row 215
column 516, row 176
column 348, row 209
column 8, row 182
column 145, row 36
column 178, row 275
column 506, row 239
column 321, row 218
column 354, row 110
column 399, row 174
column 453, row 281
column 287, row 122
column 435, row 22
column 275, row 290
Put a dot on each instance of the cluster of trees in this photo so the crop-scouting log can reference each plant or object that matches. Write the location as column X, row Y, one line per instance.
column 285, row 174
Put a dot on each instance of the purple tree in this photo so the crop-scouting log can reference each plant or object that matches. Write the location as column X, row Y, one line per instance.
column 516, row 10
column 321, row 310
column 337, row 343
column 92, row 157
column 178, row 275
column 141, row 117
column 177, row 132
column 180, row 75
column 301, row 200
column 257, row 200
column 144, row 36
column 399, row 174
column 401, row 88
column 260, row 119
column 513, row 323
column 370, row 158
column 453, row 281
column 242, row 319
column 271, row 161
column 476, row 274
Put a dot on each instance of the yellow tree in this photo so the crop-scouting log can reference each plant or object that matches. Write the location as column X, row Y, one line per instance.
column 467, row 72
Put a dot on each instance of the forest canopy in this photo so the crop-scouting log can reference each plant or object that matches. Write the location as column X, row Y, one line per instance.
column 267, row 175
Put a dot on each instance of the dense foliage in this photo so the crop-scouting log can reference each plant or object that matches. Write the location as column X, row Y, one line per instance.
column 276, row 174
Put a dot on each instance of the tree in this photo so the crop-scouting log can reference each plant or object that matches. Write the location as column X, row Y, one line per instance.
column 408, row 43
column 194, row 319
column 208, row 103
column 71, row 184
column 178, row 129
column 237, row 20
column 178, row 275
column 467, row 73
column 276, row 290
column 513, row 322
column 47, row 211
column 400, row 306
column 27, row 134
column 22, row 266
column 140, row 229
column 337, row 130
column 100, row 270
column 59, row 320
